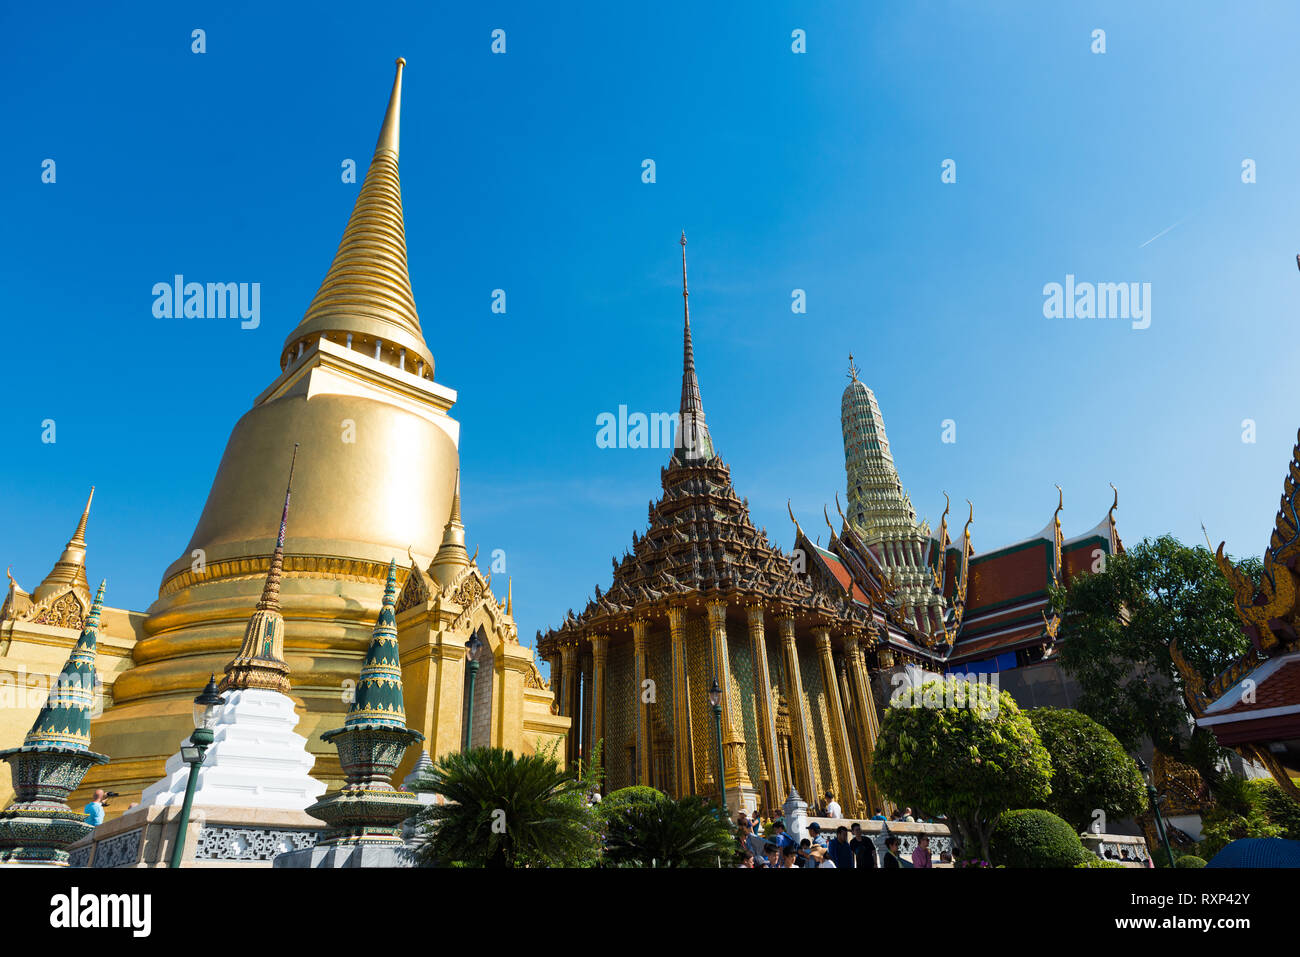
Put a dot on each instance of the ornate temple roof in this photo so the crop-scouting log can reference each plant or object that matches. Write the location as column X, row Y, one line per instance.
column 1264, row 724
column 699, row 539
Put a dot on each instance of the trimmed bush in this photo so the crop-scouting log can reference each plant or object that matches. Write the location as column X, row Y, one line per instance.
column 1035, row 838
column 1189, row 860
column 1092, row 860
column 1090, row 769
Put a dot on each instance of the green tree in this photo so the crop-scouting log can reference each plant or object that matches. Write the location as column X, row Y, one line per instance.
column 669, row 833
column 1116, row 628
column 964, row 750
column 1279, row 806
column 499, row 810
column 1090, row 770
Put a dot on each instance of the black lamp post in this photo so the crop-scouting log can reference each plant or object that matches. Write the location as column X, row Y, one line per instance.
column 1161, row 831
column 472, row 649
column 205, row 716
column 715, row 703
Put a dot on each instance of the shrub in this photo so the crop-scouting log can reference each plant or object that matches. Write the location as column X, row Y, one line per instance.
column 1092, row 860
column 669, row 833
column 1035, row 838
column 1189, row 860
column 1090, row 770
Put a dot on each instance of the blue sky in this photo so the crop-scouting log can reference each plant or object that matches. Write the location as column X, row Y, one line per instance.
column 817, row 171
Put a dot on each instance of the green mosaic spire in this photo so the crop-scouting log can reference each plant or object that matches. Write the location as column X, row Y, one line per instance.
column 378, row 699
column 64, row 722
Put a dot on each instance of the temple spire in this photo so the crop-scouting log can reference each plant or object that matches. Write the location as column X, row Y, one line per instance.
column 70, row 569
column 693, row 440
column 365, row 297
column 452, row 556
column 260, row 662
column 271, row 590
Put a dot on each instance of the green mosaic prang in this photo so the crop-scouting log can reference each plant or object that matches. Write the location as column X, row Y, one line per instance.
column 378, row 698
column 64, row 721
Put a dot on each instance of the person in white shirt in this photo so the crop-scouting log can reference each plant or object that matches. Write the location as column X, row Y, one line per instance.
column 832, row 806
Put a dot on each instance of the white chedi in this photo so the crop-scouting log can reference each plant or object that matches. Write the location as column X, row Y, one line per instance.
column 255, row 761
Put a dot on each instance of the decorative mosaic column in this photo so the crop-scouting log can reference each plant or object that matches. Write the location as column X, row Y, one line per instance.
column 599, row 656
column 763, row 697
column 733, row 742
column 682, row 758
column 569, row 706
column 586, row 710
column 864, row 706
column 640, row 633
column 805, row 772
column 850, row 801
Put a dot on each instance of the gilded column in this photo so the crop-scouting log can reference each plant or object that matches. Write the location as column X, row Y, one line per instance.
column 569, row 664
column 640, row 631
column 868, row 724
column 850, row 800
column 733, row 741
column 763, row 697
column 599, row 655
column 805, row 770
column 682, row 758
column 586, row 709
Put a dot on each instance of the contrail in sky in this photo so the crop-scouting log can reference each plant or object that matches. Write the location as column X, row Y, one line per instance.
column 1162, row 232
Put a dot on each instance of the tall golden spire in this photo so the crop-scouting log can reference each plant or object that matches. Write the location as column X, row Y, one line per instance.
column 260, row 662
column 367, row 290
column 693, row 439
column 70, row 569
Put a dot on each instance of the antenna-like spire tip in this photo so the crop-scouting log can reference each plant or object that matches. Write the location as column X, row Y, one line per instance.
column 401, row 61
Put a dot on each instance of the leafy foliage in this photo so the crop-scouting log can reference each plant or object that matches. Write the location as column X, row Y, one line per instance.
column 1090, row 770
column 500, row 810
column 1092, row 860
column 960, row 749
column 1280, row 808
column 1117, row 625
column 1189, row 860
column 623, row 798
column 1036, row 838
column 669, row 833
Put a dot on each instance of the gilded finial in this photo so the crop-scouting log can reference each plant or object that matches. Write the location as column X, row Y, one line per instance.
column 1207, row 539
column 510, row 597
column 853, row 369
column 792, row 518
column 1060, row 504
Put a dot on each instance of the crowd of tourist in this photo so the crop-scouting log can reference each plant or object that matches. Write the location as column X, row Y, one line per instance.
column 767, row 844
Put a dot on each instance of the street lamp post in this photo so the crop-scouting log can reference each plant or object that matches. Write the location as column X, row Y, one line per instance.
column 715, row 704
column 472, row 649
column 1161, row 831
column 205, row 716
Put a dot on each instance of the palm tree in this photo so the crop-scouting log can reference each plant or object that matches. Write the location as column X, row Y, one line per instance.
column 669, row 833
column 500, row 810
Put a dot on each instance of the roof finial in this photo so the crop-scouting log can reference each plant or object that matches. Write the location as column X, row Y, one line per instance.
column 853, row 369
column 390, row 132
column 693, row 441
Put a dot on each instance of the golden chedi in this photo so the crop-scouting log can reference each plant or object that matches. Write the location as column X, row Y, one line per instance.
column 377, row 468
